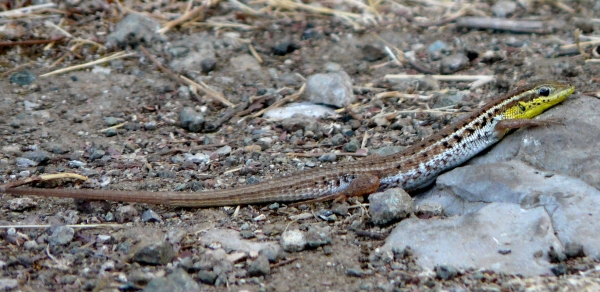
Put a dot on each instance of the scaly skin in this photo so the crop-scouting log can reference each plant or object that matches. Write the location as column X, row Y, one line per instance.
column 410, row 169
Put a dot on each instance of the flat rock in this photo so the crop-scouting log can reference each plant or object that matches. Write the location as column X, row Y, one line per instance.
column 231, row 240
column 481, row 240
column 303, row 108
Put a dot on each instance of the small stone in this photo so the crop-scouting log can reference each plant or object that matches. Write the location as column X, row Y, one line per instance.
column 22, row 78
column 156, row 253
column 351, row 146
column 340, row 209
column 329, row 157
column 208, row 64
column 247, row 234
column 40, row 157
column 207, row 277
column 429, row 210
column 355, row 272
column 333, row 88
column 574, row 250
column 259, row 267
column 151, row 125
column 271, row 252
column 372, row 53
column 316, row 237
column 61, row 235
column 437, row 46
column 388, row 206
column 338, row 139
column 284, row 47
column 293, row 241
column 179, row 280
column 274, row 206
column 111, row 121
column 559, row 270
column 21, row 204
column 191, row 120
column 110, row 132
column 97, row 154
column 8, row 284
column 244, row 62
column 445, row 272
column 225, row 150
column 150, row 216
column 132, row 30
column 453, row 63
column 125, row 214
column 503, row 8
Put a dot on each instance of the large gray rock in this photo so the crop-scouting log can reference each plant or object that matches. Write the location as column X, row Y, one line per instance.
column 481, row 240
column 536, row 188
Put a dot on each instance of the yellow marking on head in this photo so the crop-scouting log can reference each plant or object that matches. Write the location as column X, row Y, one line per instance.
column 538, row 99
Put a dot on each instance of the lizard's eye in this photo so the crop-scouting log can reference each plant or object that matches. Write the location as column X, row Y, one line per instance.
column 544, row 91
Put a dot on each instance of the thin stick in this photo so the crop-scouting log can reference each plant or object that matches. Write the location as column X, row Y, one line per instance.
column 281, row 102
column 119, row 55
column 30, row 42
column 24, row 10
column 321, row 154
column 69, row 225
column 208, row 91
column 41, row 178
column 185, row 17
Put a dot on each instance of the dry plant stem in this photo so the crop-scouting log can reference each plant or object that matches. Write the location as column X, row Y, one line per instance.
column 163, row 68
column 4, row 74
column 113, row 127
column 518, row 26
column 231, row 112
column 119, row 55
column 41, row 178
column 25, row 10
column 185, row 17
column 207, row 90
column 82, row 226
column 30, row 42
column 478, row 80
column 281, row 102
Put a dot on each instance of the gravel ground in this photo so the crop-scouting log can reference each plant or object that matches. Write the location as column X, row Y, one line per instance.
column 134, row 123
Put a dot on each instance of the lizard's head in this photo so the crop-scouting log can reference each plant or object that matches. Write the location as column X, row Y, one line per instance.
column 535, row 99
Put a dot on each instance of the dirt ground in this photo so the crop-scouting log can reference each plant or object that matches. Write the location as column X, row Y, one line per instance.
column 62, row 123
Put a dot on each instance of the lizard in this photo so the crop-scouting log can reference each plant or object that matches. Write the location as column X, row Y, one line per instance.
column 410, row 169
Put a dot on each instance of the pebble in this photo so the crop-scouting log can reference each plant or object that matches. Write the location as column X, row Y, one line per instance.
column 453, row 63
column 132, row 30
column 8, row 284
column 111, row 132
column 191, row 120
column 154, row 253
column 429, row 210
column 259, row 267
column 39, row 157
column 247, row 234
column 293, row 241
column 22, row 78
column 196, row 158
column 391, row 205
column 316, row 236
column 208, row 64
column 61, row 235
column 178, row 281
column 244, row 62
column 338, row 139
column 333, row 88
column 21, row 204
column 437, row 46
column 150, row 216
column 97, row 154
column 355, row 272
column 503, row 8
column 284, row 47
column 225, row 150
column 446, row 272
column 125, row 214
column 207, row 277
column 574, row 250
column 329, row 157
column 351, row 146
column 151, row 125
column 372, row 53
